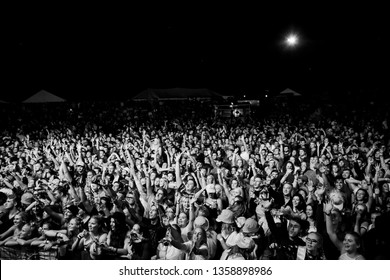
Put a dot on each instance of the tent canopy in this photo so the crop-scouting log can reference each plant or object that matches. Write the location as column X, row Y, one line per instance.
column 176, row 94
column 289, row 92
column 43, row 96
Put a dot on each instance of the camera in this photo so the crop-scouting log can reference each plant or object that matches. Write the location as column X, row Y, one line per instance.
column 133, row 235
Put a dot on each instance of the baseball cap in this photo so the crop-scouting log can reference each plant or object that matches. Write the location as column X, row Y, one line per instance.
column 27, row 198
column 226, row 216
column 250, row 226
column 201, row 222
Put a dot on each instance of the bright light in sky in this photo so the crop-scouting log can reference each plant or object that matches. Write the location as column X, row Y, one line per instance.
column 292, row 40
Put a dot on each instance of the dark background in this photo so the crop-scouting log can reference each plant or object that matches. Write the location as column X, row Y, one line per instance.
column 114, row 52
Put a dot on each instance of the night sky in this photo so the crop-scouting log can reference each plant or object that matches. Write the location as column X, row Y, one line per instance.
column 96, row 51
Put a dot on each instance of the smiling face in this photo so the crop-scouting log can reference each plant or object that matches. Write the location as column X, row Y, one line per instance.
column 93, row 225
column 309, row 211
column 350, row 244
column 182, row 220
column 313, row 243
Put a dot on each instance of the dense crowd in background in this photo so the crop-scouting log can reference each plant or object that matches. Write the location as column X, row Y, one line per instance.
column 177, row 181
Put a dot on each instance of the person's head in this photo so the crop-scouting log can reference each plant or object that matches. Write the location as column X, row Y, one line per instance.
column 199, row 236
column 20, row 219
column 361, row 208
column 362, row 195
column 314, row 243
column 310, row 210
column 190, row 186
column 182, row 220
column 170, row 213
column 338, row 183
column 336, row 217
column 74, row 225
column 298, row 202
column 352, row 242
column 346, row 173
column 161, row 194
column 250, row 228
column 185, row 204
column 117, row 221
column 153, row 212
column 287, row 188
column 26, row 232
column 95, row 224
column 373, row 217
column 294, row 228
column 257, row 183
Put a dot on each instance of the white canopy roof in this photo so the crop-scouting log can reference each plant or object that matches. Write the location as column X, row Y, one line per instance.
column 43, row 96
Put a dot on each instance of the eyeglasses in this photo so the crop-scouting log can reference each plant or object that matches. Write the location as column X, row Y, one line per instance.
column 308, row 240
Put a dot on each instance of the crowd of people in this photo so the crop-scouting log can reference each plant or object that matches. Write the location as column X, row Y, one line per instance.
column 180, row 183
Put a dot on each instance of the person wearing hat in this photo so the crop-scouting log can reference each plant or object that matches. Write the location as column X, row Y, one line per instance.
column 241, row 250
column 252, row 230
column 203, row 222
column 227, row 232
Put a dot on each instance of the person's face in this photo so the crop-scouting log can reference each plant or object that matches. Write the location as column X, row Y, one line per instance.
column 111, row 168
column 112, row 224
column 170, row 213
column 157, row 181
column 136, row 228
column 73, row 225
column 257, row 183
column 309, row 211
column 190, row 186
column 89, row 175
column 303, row 165
column 67, row 214
column 287, row 189
column 350, row 244
column 197, row 234
column 335, row 217
column 18, row 221
column 210, row 179
column 346, row 174
column 130, row 199
column 9, row 204
column 159, row 195
column 295, row 201
column 234, row 184
column 360, row 195
column 93, row 225
column 373, row 217
column 115, row 186
column 385, row 188
column 153, row 213
column 170, row 177
column 182, row 220
column 235, row 192
column 25, row 232
column 312, row 242
column 360, row 209
column 338, row 184
column 294, row 228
